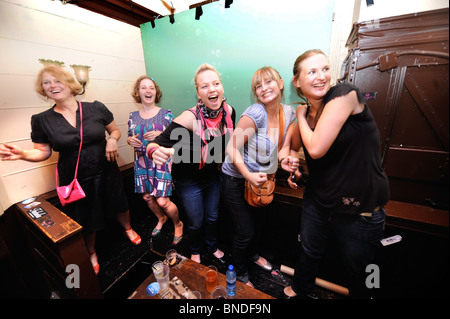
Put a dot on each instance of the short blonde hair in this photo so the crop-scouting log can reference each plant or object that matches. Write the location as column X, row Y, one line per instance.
column 62, row 75
column 205, row 67
column 137, row 84
column 266, row 72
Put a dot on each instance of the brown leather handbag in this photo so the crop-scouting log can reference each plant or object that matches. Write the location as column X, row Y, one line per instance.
column 263, row 196
column 260, row 196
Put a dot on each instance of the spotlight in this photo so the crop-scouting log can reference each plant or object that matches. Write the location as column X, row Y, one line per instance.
column 198, row 13
column 172, row 19
column 369, row 3
column 228, row 3
column 152, row 22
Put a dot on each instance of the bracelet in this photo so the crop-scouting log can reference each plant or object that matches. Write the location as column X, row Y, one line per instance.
column 151, row 151
column 112, row 137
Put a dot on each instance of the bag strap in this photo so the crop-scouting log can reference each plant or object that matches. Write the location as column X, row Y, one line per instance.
column 281, row 133
column 81, row 143
column 81, row 137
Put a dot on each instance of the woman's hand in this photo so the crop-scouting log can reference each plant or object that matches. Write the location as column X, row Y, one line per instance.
column 292, row 181
column 162, row 154
column 257, row 179
column 134, row 141
column 301, row 110
column 10, row 152
column 40, row 152
column 112, row 151
column 290, row 164
column 150, row 136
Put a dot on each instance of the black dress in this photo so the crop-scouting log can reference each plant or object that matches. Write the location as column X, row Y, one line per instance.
column 100, row 179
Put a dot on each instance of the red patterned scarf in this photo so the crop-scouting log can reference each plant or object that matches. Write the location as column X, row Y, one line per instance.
column 211, row 123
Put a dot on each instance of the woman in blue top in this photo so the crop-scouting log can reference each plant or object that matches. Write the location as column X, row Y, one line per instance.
column 347, row 187
column 252, row 154
column 151, row 180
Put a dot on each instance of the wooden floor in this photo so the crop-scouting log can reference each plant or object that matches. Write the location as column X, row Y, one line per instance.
column 417, row 267
column 124, row 266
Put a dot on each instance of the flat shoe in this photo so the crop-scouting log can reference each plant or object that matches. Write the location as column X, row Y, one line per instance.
column 156, row 232
column 268, row 266
column 176, row 240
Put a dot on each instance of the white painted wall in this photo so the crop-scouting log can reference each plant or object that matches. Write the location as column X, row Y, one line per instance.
column 34, row 29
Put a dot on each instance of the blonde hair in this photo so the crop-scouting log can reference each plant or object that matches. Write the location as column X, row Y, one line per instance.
column 205, row 67
column 60, row 74
column 137, row 84
column 268, row 73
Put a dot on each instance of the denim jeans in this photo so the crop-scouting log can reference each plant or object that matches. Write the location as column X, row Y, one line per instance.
column 200, row 200
column 247, row 221
column 358, row 238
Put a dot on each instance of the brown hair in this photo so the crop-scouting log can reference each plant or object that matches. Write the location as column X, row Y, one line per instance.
column 296, row 70
column 62, row 75
column 135, row 92
column 266, row 72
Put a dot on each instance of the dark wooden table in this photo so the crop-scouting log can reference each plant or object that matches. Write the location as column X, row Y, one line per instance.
column 190, row 276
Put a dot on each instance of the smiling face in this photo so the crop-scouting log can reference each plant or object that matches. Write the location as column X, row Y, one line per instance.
column 267, row 86
column 55, row 88
column 314, row 77
column 147, row 91
column 209, row 89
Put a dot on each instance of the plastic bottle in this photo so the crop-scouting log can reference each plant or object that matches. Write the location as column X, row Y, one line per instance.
column 231, row 281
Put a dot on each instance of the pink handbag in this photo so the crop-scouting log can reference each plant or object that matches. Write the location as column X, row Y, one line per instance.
column 72, row 192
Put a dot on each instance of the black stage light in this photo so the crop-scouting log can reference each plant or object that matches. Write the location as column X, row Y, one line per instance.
column 198, row 13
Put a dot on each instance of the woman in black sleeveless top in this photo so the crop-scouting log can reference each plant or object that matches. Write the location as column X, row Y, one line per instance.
column 347, row 187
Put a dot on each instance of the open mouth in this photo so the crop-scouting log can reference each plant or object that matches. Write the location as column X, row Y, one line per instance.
column 213, row 98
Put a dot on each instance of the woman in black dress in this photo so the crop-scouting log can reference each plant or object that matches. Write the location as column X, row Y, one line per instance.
column 98, row 174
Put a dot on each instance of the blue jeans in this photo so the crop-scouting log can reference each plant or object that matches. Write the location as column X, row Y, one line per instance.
column 358, row 238
column 200, row 200
column 247, row 221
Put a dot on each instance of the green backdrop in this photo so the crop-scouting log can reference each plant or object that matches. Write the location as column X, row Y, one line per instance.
column 237, row 41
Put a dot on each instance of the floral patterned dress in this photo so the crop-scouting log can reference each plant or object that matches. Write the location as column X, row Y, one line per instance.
column 149, row 177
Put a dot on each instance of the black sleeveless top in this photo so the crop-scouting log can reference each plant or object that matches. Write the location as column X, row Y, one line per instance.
column 349, row 178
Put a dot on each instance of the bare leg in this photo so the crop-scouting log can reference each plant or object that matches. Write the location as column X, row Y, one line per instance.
column 156, row 209
column 124, row 220
column 90, row 245
column 171, row 210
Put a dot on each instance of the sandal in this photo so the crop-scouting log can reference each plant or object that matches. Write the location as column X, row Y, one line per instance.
column 96, row 267
column 156, row 232
column 136, row 240
column 176, row 240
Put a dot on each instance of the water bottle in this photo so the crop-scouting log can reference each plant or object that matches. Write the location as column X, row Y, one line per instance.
column 231, row 281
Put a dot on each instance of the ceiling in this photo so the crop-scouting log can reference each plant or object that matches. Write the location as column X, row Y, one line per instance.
column 131, row 12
